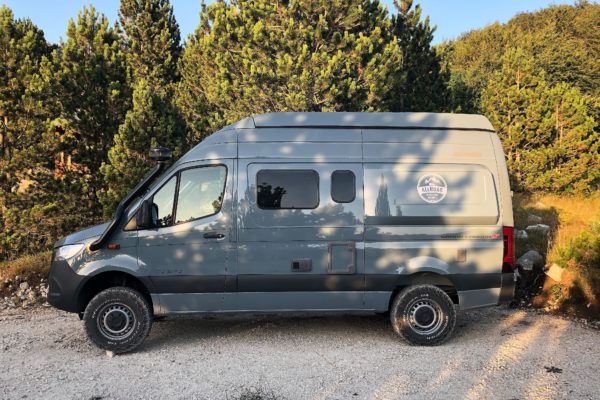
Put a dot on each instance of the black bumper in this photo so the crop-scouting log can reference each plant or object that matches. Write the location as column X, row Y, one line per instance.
column 507, row 290
column 64, row 286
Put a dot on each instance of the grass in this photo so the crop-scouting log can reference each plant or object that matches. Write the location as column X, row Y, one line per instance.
column 31, row 268
column 583, row 249
column 578, row 292
column 566, row 215
column 573, row 243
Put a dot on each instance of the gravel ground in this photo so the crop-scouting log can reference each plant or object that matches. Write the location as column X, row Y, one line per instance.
column 495, row 353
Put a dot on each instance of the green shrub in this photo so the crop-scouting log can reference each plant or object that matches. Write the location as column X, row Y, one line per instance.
column 578, row 293
column 582, row 251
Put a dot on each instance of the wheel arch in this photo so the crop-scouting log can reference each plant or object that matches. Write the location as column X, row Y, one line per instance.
column 427, row 278
column 107, row 279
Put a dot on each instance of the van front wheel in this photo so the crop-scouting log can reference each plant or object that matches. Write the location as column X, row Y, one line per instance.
column 423, row 315
column 118, row 319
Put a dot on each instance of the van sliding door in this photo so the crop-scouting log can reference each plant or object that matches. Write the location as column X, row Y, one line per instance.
column 300, row 242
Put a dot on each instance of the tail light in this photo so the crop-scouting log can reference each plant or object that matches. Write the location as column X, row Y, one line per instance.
column 508, row 260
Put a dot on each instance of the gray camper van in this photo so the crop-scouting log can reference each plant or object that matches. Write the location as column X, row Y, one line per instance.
column 406, row 213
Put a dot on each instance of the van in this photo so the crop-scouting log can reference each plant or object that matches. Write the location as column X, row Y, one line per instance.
column 402, row 213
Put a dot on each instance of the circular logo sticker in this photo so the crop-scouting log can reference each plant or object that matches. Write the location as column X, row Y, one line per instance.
column 432, row 188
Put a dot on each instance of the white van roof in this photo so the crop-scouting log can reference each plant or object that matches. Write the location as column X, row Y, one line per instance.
column 363, row 134
column 374, row 120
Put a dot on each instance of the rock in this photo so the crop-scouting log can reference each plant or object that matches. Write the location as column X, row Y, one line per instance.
column 18, row 278
column 555, row 272
column 533, row 219
column 24, row 286
column 521, row 235
column 530, row 260
column 110, row 354
column 538, row 228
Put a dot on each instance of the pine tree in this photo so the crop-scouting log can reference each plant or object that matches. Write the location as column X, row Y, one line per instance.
column 151, row 122
column 421, row 80
column 152, row 39
column 92, row 98
column 24, row 161
column 255, row 56
column 152, row 48
column 23, row 47
column 566, row 147
column 548, row 132
column 71, row 104
column 563, row 40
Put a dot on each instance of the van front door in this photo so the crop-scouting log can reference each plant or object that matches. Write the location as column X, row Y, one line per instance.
column 188, row 249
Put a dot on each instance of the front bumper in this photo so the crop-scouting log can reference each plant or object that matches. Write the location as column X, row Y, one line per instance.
column 507, row 290
column 64, row 286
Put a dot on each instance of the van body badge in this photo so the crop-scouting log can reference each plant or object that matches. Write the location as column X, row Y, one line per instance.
column 432, row 188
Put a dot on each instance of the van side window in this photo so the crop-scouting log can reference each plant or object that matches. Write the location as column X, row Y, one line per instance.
column 287, row 189
column 429, row 194
column 343, row 186
column 200, row 192
column 162, row 209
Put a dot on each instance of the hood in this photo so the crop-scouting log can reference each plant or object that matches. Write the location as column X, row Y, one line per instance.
column 83, row 235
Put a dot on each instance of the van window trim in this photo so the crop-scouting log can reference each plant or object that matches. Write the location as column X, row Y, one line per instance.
column 177, row 176
column 331, row 186
column 290, row 208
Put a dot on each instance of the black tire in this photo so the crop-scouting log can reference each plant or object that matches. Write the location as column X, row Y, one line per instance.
column 118, row 319
column 423, row 315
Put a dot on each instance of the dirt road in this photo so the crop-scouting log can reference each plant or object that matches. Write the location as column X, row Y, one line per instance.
column 495, row 354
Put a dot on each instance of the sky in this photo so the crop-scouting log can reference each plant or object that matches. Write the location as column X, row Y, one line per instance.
column 452, row 18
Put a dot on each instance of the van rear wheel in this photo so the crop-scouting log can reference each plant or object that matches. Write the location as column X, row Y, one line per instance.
column 118, row 319
column 423, row 315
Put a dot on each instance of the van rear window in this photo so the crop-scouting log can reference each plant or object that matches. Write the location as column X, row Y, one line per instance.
column 429, row 194
column 287, row 189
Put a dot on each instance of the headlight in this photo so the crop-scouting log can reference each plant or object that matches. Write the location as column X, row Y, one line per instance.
column 66, row 252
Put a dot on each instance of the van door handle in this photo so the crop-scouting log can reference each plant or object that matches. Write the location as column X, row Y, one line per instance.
column 213, row 235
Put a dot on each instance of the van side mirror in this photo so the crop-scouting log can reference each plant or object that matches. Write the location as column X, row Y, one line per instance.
column 144, row 215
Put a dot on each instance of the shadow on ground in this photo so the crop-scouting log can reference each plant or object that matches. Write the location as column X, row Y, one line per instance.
column 193, row 331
